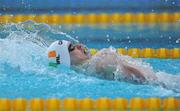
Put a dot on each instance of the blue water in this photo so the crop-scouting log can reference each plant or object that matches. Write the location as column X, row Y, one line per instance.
column 126, row 35
column 86, row 6
column 24, row 71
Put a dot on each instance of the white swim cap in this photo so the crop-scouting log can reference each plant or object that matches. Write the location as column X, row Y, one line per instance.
column 58, row 53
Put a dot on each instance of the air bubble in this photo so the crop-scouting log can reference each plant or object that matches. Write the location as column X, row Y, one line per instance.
column 107, row 35
column 177, row 41
column 173, row 3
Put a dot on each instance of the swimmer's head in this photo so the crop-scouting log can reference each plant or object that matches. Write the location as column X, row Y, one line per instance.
column 66, row 53
column 78, row 53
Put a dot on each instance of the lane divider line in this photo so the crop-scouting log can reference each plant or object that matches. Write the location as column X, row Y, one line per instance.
column 163, row 53
column 74, row 104
column 93, row 18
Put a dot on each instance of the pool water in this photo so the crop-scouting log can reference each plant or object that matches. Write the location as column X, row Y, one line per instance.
column 24, row 70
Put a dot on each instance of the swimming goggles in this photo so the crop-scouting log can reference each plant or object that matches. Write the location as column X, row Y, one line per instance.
column 86, row 50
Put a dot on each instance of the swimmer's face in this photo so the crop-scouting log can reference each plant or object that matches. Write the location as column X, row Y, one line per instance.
column 78, row 54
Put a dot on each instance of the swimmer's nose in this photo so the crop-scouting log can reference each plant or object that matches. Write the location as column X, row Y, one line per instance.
column 79, row 47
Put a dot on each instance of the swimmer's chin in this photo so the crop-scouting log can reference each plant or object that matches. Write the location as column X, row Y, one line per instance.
column 80, row 61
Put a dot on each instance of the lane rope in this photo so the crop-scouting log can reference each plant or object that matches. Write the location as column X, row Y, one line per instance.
column 92, row 18
column 163, row 53
column 55, row 104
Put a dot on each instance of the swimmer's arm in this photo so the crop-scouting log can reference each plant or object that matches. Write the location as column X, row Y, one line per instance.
column 107, row 69
column 109, row 63
column 132, row 71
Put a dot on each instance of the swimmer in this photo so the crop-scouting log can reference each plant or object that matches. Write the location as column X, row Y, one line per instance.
column 105, row 64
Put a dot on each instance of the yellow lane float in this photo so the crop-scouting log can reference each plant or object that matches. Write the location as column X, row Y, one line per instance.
column 87, row 104
column 92, row 18
column 162, row 53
